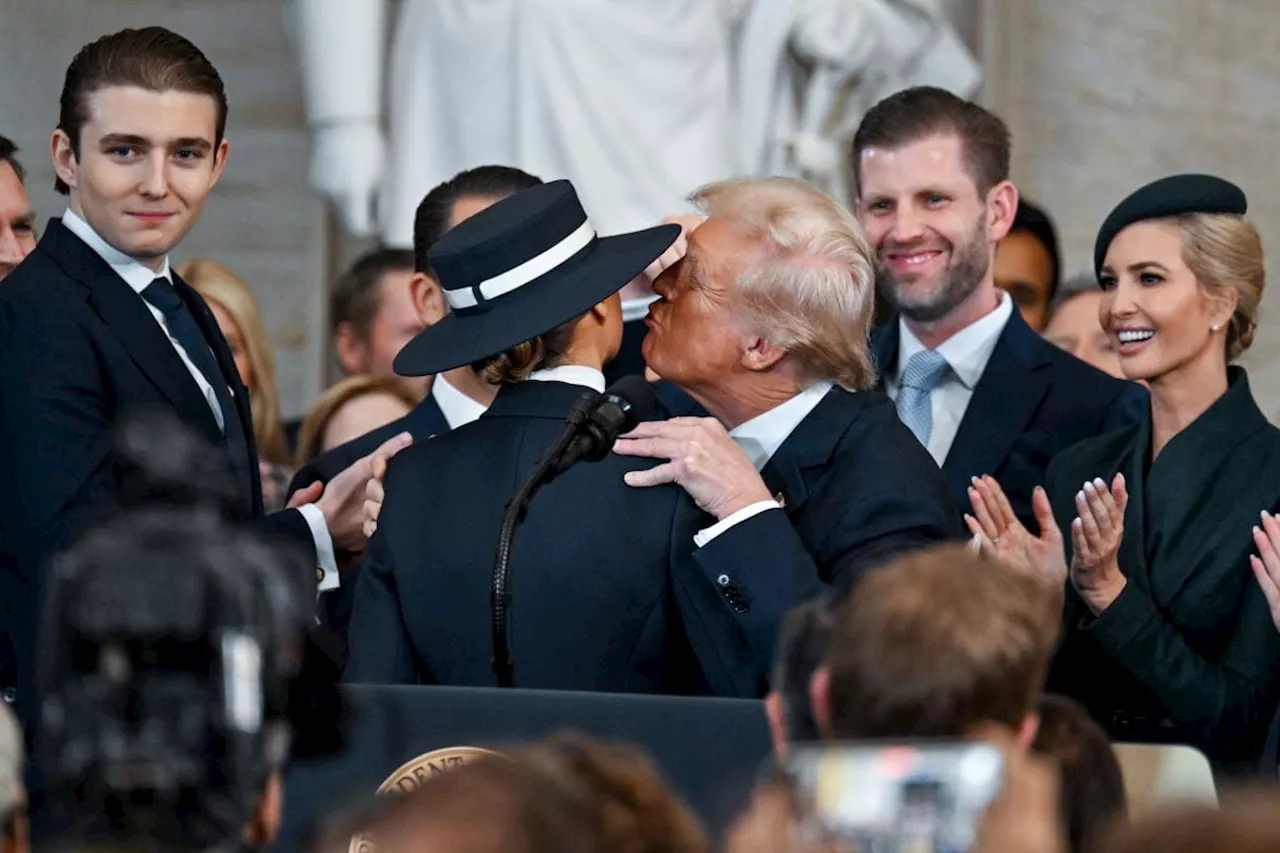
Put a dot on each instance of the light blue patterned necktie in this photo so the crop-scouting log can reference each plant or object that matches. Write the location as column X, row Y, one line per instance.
column 922, row 374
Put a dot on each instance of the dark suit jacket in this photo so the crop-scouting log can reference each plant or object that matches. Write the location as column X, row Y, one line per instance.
column 857, row 489
column 78, row 347
column 592, row 574
column 1188, row 652
column 422, row 422
column 1032, row 401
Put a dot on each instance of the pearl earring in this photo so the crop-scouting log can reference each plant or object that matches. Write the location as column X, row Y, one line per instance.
column 1214, row 327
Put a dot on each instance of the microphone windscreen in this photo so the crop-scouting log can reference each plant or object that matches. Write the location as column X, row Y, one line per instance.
column 638, row 396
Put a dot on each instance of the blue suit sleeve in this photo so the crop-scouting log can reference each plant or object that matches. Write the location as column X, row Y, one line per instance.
column 381, row 651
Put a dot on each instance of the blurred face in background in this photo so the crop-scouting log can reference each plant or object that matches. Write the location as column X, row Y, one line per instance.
column 361, row 415
column 1075, row 327
column 235, row 341
column 1024, row 270
column 17, row 220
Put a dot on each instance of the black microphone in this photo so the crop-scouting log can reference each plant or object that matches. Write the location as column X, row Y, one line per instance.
column 593, row 424
column 623, row 404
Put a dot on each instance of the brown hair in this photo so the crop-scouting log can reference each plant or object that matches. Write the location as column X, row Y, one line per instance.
column 935, row 642
column 518, row 363
column 151, row 58
column 9, row 154
column 219, row 284
column 1224, row 251
column 1246, row 821
column 311, row 435
column 1092, row 786
column 914, row 114
column 633, row 810
column 357, row 293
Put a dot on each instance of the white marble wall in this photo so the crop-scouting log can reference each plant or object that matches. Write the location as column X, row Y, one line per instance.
column 1103, row 96
column 261, row 219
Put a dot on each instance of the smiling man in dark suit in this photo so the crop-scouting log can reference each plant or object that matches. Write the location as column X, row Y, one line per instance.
column 981, row 390
column 94, row 323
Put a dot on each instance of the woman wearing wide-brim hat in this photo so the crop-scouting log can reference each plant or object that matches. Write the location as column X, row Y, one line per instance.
column 533, row 293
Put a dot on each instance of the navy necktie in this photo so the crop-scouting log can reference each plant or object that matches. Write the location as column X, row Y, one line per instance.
column 162, row 294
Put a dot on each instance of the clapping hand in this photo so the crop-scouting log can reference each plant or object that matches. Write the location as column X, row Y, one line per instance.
column 1266, row 567
column 1003, row 538
column 1095, row 541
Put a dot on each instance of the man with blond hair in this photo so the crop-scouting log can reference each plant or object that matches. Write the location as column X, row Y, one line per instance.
column 802, row 478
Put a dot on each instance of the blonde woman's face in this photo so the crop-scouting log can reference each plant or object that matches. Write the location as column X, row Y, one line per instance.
column 1153, row 308
column 235, row 342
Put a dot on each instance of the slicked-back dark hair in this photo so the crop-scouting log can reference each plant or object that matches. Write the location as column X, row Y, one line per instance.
column 435, row 212
column 922, row 111
column 151, row 58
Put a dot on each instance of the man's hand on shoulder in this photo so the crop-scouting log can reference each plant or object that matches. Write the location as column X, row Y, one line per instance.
column 343, row 500
column 703, row 459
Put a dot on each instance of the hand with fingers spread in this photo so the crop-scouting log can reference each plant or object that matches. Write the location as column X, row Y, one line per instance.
column 702, row 458
column 1003, row 538
column 1095, row 542
column 1266, row 566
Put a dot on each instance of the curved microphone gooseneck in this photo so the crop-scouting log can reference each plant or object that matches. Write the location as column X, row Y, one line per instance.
column 593, row 424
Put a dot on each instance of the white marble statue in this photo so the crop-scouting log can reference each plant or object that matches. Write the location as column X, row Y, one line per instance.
column 637, row 101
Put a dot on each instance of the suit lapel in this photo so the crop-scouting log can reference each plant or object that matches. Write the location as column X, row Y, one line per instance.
column 1006, row 396
column 809, row 447
column 426, row 420
column 128, row 317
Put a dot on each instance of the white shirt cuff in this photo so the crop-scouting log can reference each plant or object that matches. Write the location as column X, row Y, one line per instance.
column 328, row 562
column 702, row 537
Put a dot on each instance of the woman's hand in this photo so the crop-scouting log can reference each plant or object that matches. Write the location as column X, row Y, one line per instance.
column 1095, row 539
column 1266, row 567
column 1003, row 538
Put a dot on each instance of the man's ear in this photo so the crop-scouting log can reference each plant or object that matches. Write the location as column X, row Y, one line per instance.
column 1002, row 207
column 220, row 155
column 820, row 700
column 758, row 355
column 1028, row 730
column 350, row 348
column 428, row 298
column 65, row 163
column 777, row 724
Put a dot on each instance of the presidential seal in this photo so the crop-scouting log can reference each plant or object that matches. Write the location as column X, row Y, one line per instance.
column 413, row 773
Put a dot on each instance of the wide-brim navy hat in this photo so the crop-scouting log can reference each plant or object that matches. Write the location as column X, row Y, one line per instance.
column 519, row 269
column 1175, row 195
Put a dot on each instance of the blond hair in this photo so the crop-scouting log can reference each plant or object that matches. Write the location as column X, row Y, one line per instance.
column 218, row 283
column 1224, row 251
column 812, row 293
column 311, row 434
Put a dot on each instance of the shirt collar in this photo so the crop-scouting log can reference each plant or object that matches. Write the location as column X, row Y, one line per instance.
column 573, row 374
column 137, row 275
column 458, row 409
column 761, row 436
column 968, row 350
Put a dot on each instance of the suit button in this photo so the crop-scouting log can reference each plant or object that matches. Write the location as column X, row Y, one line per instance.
column 723, row 580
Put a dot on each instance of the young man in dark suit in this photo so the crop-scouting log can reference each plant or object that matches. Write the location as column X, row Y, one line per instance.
column 94, row 323
column 981, row 390
column 796, row 483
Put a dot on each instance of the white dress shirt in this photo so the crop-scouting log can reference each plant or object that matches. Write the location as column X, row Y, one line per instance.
column 457, row 408
column 573, row 374
column 760, row 438
column 138, row 277
column 967, row 352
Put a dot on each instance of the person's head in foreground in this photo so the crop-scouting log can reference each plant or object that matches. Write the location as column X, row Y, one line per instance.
column 1182, row 274
column 1093, row 795
column 570, row 794
column 1245, row 821
column 934, row 644
column 773, row 296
